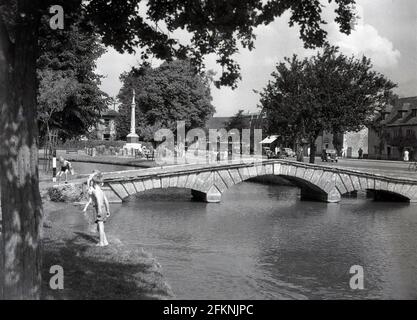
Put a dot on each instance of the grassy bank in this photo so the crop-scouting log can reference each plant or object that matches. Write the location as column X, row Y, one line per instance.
column 91, row 272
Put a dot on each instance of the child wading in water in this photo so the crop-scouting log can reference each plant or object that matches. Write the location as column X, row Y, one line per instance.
column 99, row 199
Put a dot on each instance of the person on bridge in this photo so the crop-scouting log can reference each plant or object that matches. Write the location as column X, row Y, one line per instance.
column 97, row 196
column 406, row 155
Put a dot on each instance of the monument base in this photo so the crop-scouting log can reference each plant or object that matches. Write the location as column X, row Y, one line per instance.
column 132, row 138
column 133, row 146
column 129, row 149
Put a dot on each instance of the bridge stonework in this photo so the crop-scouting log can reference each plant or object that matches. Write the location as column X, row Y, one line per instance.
column 208, row 183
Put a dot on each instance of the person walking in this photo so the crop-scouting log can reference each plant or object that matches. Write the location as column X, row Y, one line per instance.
column 406, row 155
column 360, row 153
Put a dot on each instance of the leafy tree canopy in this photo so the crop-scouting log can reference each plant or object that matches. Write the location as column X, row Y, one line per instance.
column 69, row 98
column 172, row 92
column 327, row 92
column 216, row 26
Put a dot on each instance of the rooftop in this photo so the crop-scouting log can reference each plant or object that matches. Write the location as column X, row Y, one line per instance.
column 402, row 106
column 110, row 113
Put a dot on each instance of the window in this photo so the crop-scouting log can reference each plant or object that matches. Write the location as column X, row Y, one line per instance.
column 410, row 132
column 414, row 112
column 397, row 133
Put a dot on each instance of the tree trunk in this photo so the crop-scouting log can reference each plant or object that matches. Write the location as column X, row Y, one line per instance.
column 312, row 151
column 21, row 202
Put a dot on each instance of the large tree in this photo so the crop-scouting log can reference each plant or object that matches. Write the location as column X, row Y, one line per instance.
column 327, row 92
column 216, row 26
column 171, row 92
column 69, row 98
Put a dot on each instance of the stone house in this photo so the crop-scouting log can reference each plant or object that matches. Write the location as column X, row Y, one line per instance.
column 398, row 127
column 250, row 121
column 106, row 127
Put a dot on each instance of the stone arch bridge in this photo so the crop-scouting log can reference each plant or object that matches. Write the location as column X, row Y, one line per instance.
column 208, row 182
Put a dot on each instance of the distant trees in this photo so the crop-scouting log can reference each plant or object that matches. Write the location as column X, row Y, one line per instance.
column 327, row 92
column 171, row 92
column 69, row 98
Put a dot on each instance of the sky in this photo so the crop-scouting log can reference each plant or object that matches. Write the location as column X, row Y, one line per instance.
column 386, row 32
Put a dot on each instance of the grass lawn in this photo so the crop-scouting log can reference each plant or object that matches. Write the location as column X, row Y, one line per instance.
column 91, row 272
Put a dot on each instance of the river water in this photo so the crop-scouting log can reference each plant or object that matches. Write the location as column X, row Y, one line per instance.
column 262, row 242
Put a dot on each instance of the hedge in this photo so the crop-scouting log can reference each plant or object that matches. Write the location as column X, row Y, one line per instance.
column 80, row 145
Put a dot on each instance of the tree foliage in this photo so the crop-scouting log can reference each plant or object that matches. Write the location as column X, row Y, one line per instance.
column 166, row 94
column 69, row 98
column 216, row 26
column 327, row 92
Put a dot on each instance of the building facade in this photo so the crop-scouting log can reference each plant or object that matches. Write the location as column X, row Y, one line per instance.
column 395, row 132
column 106, row 127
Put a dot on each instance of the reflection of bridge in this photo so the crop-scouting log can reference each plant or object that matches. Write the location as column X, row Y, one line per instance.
column 208, row 182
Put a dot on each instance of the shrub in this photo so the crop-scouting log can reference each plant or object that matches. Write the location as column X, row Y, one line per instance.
column 78, row 144
column 66, row 193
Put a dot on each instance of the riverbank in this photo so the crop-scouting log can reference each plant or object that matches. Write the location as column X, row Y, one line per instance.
column 97, row 273
column 91, row 272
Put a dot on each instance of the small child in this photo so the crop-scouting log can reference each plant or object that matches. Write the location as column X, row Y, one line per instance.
column 99, row 199
column 65, row 168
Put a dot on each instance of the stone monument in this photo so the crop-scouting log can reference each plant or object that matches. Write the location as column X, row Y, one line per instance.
column 132, row 138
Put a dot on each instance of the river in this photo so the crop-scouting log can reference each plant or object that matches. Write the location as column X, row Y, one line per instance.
column 262, row 242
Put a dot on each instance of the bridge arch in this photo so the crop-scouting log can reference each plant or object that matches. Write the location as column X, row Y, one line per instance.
column 119, row 190
column 329, row 184
column 313, row 186
column 316, row 182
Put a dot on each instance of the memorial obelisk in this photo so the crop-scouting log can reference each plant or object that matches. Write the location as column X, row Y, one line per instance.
column 132, row 138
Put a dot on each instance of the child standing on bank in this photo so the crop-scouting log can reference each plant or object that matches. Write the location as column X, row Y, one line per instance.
column 98, row 198
column 65, row 168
